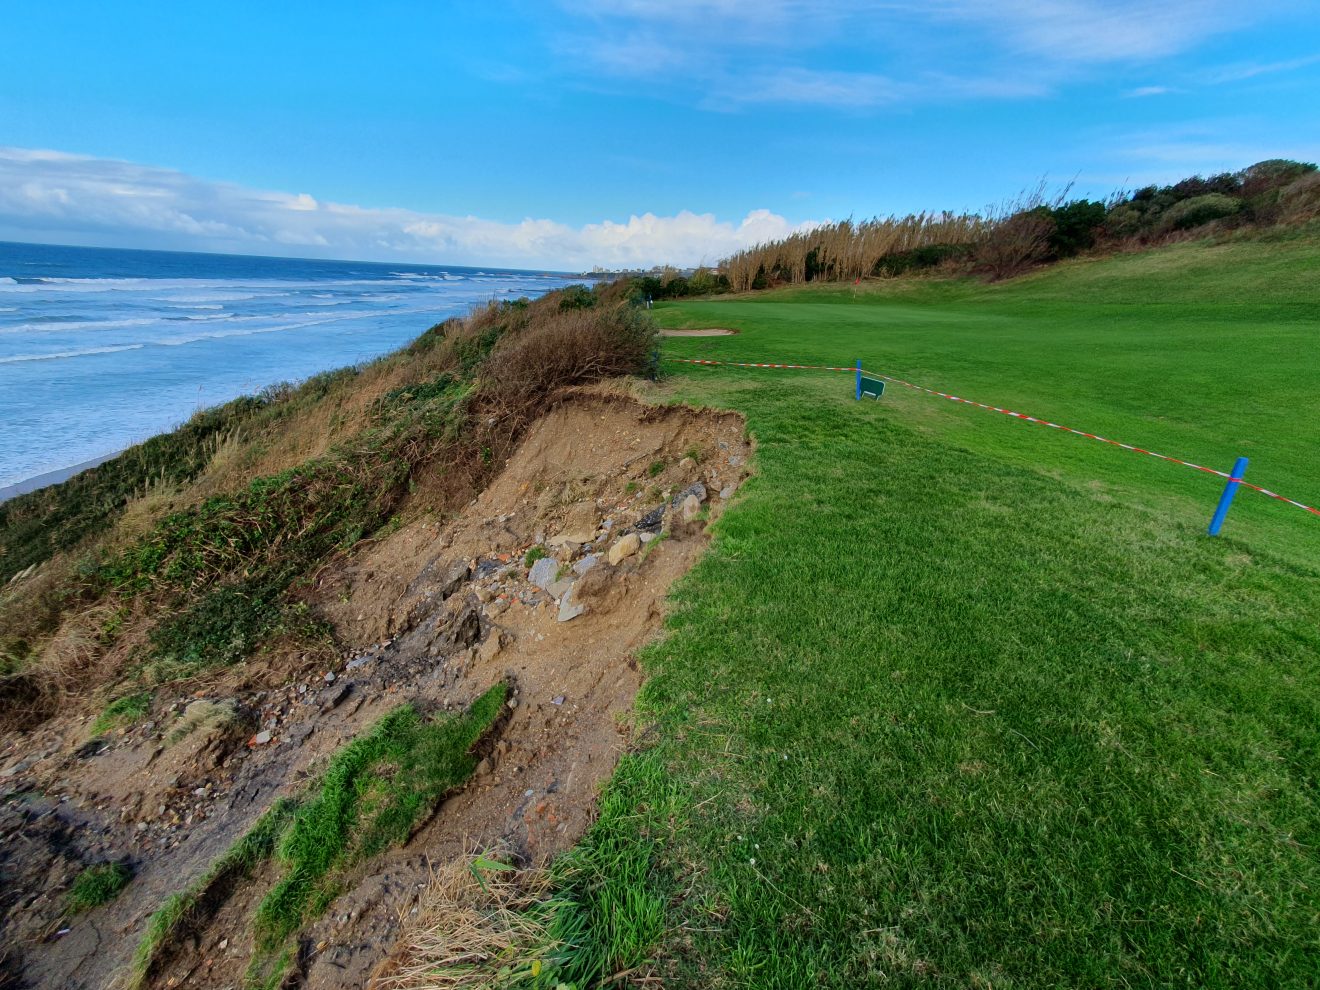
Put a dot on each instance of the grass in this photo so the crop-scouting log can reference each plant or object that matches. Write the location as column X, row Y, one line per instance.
column 371, row 796
column 122, row 711
column 955, row 701
column 97, row 885
column 187, row 910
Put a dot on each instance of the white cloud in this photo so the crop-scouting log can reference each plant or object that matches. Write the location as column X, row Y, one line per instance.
column 1238, row 73
column 52, row 196
column 1098, row 30
column 734, row 53
column 1144, row 91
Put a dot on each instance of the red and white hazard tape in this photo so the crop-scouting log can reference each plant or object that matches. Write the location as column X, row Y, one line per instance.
column 1016, row 415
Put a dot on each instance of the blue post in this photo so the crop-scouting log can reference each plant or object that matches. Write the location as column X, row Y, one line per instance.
column 859, row 379
column 1226, row 499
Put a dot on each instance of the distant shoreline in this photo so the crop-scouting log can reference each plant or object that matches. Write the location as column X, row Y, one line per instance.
column 51, row 478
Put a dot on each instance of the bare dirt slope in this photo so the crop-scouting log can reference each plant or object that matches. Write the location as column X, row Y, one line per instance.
column 617, row 493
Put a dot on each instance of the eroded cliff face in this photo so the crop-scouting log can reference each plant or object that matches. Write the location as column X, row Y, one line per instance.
column 550, row 580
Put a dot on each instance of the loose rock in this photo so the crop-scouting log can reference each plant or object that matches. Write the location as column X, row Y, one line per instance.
column 568, row 608
column 626, row 547
column 543, row 573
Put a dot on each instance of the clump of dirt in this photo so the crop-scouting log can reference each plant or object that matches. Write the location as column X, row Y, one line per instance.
column 552, row 578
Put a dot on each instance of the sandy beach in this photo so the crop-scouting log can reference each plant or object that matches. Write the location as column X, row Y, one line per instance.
column 51, row 477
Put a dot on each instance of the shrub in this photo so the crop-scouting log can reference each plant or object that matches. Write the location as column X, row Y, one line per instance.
column 1016, row 244
column 570, row 347
column 1075, row 227
column 1125, row 220
column 920, row 259
column 576, row 297
column 1300, row 199
column 1197, row 211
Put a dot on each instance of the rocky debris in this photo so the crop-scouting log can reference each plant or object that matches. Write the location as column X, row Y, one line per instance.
column 580, row 525
column 334, row 697
column 727, row 491
column 262, row 737
column 586, row 564
column 624, row 548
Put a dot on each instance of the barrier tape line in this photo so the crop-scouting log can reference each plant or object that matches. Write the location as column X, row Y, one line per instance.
column 1009, row 412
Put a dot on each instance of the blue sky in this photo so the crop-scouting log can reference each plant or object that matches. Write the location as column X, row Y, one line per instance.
column 625, row 132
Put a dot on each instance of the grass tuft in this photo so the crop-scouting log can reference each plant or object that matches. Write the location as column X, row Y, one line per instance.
column 122, row 711
column 97, row 885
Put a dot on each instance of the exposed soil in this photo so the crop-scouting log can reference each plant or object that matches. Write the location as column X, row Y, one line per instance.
column 707, row 332
column 439, row 611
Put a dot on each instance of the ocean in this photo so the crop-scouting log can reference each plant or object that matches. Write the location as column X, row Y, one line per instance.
column 102, row 348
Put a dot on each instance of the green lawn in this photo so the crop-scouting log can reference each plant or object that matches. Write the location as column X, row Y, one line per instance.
column 959, row 701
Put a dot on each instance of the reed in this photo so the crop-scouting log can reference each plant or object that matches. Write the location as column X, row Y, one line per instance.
column 848, row 249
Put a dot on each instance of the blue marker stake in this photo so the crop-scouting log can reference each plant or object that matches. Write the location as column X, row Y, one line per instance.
column 859, row 379
column 1226, row 499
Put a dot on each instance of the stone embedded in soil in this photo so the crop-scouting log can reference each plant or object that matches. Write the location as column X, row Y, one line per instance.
column 491, row 648
column 652, row 519
column 727, row 492
column 625, row 548
column 543, row 573
column 646, row 537
column 691, row 508
column 586, row 564
column 568, row 608
column 262, row 737
column 695, row 490
column 463, row 630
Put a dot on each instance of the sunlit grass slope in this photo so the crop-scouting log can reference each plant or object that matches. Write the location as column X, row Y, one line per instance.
column 1204, row 353
column 957, row 701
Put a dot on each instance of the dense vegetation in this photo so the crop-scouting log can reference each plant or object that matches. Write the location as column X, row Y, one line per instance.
column 1030, row 231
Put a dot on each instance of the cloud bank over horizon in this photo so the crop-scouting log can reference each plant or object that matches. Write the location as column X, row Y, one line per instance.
column 56, row 197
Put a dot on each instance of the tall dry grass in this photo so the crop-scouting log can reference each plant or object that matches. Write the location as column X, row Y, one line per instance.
column 848, row 249
column 473, row 927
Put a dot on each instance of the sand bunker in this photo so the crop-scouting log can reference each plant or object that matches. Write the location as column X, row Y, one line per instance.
column 707, row 332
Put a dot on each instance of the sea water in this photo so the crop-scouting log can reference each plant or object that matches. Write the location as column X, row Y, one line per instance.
column 102, row 348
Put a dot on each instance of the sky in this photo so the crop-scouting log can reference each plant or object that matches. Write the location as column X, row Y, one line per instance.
column 619, row 133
